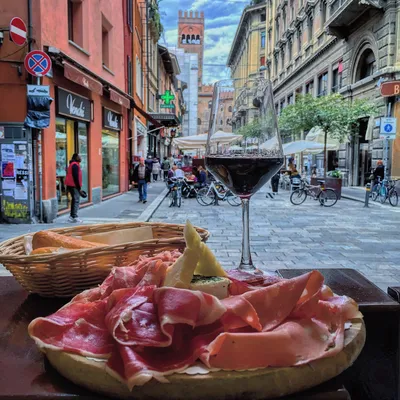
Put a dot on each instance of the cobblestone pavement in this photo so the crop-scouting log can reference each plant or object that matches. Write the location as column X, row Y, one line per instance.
column 307, row 236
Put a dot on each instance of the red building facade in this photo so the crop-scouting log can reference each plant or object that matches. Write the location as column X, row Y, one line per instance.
column 90, row 86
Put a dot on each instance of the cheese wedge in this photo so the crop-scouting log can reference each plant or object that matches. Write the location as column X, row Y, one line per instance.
column 214, row 285
column 180, row 274
column 197, row 258
column 208, row 264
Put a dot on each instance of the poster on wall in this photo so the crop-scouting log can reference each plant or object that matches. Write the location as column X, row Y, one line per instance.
column 7, row 169
column 8, row 184
column 2, row 134
column 7, row 152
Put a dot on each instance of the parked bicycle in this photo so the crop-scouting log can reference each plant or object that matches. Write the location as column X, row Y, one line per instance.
column 376, row 189
column 388, row 191
column 326, row 197
column 216, row 192
column 175, row 191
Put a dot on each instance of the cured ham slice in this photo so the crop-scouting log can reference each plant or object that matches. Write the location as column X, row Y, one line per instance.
column 295, row 342
column 243, row 281
column 133, row 319
column 145, row 271
column 77, row 327
column 149, row 331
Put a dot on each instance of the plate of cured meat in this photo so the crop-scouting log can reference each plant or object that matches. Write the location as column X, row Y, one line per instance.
column 178, row 326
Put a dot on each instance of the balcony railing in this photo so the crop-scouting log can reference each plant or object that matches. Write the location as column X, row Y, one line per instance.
column 344, row 13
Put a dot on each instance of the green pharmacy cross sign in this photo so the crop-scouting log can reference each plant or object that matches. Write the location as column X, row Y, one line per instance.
column 167, row 97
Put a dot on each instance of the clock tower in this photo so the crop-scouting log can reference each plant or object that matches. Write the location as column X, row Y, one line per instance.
column 191, row 36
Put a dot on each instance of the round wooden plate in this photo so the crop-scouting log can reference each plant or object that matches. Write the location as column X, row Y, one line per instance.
column 264, row 383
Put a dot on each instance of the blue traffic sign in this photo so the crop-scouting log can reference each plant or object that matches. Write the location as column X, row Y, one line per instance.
column 388, row 128
column 37, row 63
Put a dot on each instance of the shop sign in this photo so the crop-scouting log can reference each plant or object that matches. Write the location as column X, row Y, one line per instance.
column 72, row 105
column 167, row 97
column 389, row 89
column 111, row 120
column 141, row 129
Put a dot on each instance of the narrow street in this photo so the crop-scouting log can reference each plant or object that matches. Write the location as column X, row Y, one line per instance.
column 307, row 236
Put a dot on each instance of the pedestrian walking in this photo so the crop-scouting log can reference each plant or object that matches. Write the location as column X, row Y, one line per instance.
column 73, row 182
column 275, row 183
column 166, row 165
column 141, row 175
column 155, row 169
column 149, row 163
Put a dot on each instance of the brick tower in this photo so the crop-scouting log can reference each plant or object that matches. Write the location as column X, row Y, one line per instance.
column 191, row 35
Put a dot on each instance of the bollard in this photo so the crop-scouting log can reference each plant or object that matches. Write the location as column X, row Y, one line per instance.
column 367, row 193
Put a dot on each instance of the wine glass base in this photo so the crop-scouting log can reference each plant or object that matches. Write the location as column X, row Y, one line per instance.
column 250, row 268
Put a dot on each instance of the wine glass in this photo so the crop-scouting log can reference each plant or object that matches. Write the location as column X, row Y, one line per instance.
column 246, row 167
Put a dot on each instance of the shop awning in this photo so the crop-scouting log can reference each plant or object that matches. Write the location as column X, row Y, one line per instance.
column 168, row 120
column 119, row 99
column 76, row 75
column 305, row 146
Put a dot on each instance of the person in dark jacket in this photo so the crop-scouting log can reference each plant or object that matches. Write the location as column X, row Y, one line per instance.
column 142, row 175
column 201, row 177
column 379, row 171
column 73, row 182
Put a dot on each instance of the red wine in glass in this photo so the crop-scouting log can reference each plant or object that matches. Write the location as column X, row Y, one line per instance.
column 244, row 175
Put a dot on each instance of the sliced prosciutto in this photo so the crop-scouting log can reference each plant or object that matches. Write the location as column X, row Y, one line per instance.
column 78, row 327
column 146, row 331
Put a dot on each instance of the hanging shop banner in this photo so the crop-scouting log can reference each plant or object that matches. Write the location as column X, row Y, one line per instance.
column 111, row 120
column 72, row 105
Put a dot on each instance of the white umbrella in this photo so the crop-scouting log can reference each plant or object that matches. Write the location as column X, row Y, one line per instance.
column 305, row 146
column 225, row 137
column 317, row 135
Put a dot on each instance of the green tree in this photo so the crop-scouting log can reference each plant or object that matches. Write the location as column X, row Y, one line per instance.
column 336, row 116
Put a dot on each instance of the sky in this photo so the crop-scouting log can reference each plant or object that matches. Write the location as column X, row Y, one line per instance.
column 221, row 20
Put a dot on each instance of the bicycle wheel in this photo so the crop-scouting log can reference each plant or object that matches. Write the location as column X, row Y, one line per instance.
column 393, row 198
column 205, row 196
column 233, row 200
column 298, row 197
column 328, row 198
column 375, row 192
column 383, row 194
column 171, row 198
column 178, row 202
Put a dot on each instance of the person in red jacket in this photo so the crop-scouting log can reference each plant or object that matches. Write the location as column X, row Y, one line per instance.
column 73, row 182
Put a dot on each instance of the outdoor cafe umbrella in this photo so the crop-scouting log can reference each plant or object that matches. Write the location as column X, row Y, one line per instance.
column 305, row 146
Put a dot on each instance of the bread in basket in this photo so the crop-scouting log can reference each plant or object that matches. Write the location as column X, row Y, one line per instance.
column 66, row 274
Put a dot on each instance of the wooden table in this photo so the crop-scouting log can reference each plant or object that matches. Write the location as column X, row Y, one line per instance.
column 24, row 373
column 375, row 374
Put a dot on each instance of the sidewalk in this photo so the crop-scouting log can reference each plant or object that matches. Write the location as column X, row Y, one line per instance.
column 357, row 193
column 123, row 208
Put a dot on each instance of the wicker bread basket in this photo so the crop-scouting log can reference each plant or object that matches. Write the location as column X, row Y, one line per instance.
column 66, row 274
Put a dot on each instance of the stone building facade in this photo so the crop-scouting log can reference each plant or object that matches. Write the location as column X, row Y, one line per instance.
column 321, row 47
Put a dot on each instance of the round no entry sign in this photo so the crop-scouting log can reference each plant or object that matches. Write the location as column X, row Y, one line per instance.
column 18, row 31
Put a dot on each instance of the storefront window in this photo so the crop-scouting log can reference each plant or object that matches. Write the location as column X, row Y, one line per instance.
column 71, row 137
column 110, row 152
column 83, row 152
column 61, row 163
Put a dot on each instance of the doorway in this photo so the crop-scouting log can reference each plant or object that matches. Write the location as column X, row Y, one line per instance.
column 71, row 137
column 363, row 156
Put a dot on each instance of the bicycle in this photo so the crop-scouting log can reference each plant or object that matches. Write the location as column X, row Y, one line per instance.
column 175, row 194
column 326, row 197
column 376, row 189
column 215, row 191
column 388, row 191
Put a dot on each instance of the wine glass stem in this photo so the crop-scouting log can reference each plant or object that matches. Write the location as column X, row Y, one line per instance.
column 246, row 262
